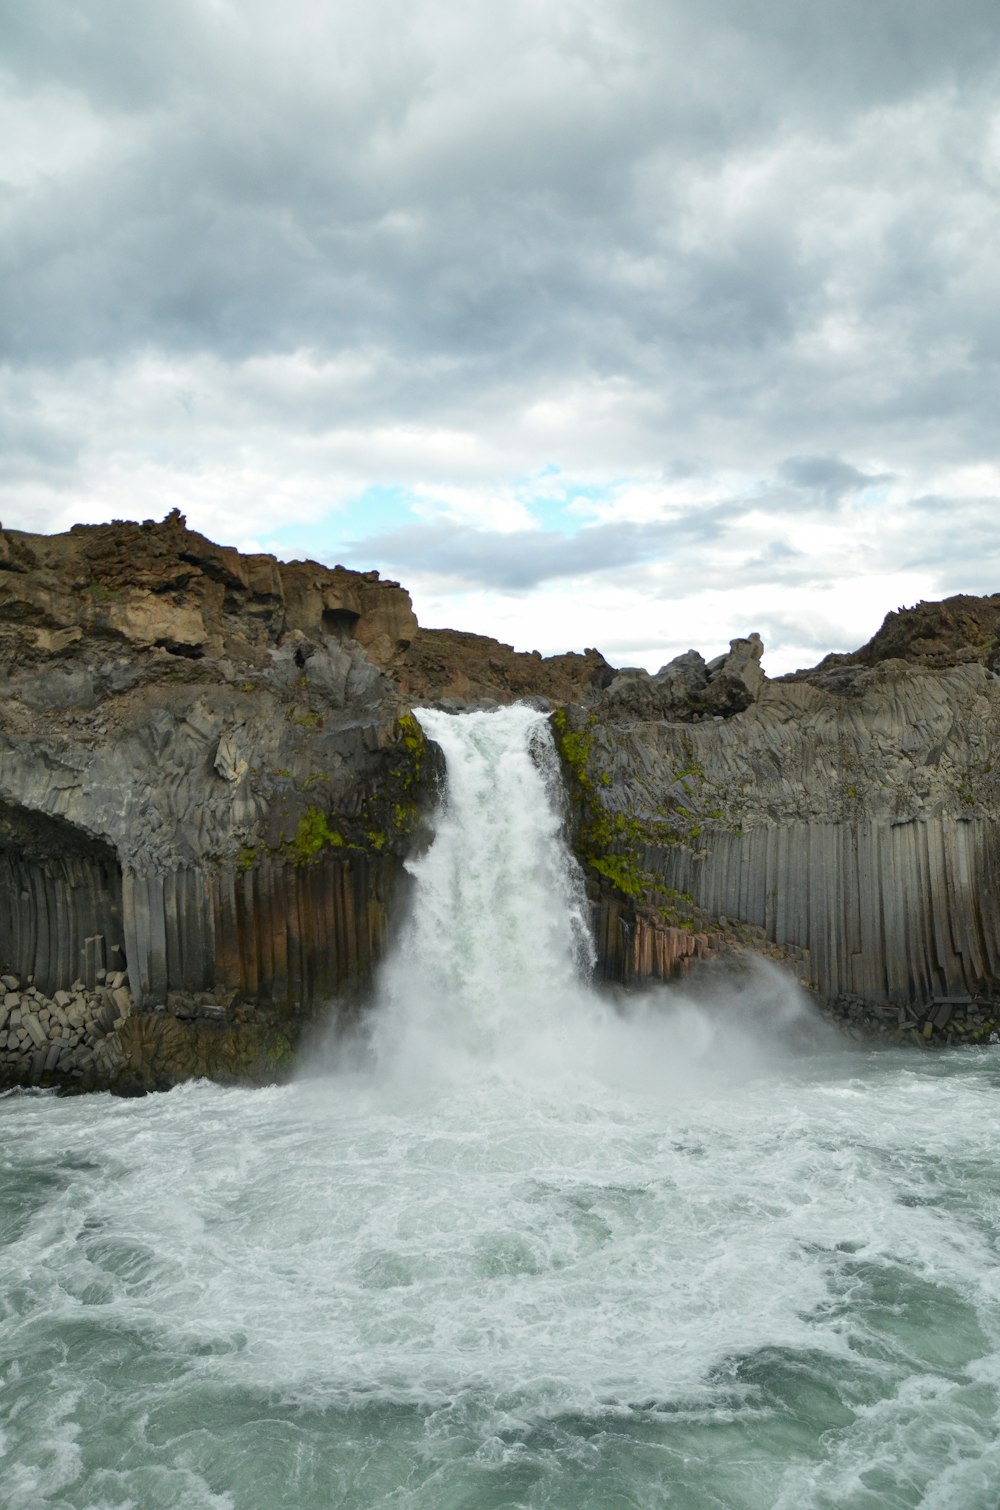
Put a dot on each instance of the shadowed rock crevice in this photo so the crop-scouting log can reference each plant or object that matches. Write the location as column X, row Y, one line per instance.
column 60, row 900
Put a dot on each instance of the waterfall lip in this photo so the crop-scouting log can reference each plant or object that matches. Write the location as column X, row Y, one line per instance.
column 458, row 706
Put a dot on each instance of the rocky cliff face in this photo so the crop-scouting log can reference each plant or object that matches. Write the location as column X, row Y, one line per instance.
column 206, row 779
column 845, row 816
column 210, row 777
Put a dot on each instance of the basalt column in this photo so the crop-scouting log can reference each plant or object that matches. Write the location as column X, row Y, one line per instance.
column 60, row 901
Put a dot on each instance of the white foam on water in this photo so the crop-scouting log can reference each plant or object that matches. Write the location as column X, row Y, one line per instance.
column 533, row 1251
column 504, row 1264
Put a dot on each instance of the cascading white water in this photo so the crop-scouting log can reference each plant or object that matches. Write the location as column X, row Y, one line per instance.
column 497, row 942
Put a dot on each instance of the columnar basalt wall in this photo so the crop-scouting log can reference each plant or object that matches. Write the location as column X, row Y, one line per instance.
column 60, row 917
column 291, row 935
column 854, row 820
column 60, row 899
column 277, row 932
column 896, row 912
column 207, row 783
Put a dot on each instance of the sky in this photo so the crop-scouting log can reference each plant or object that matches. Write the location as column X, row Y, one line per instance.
column 628, row 323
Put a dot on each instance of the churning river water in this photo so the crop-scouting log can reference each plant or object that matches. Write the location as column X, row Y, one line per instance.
column 519, row 1247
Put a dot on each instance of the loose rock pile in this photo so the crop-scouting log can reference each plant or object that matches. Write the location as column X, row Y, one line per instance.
column 946, row 1020
column 72, row 1035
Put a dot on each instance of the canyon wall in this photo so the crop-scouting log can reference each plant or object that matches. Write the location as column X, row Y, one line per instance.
column 207, row 787
column 210, row 779
column 848, row 817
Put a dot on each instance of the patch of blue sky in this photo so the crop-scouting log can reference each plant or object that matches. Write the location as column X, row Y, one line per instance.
column 376, row 511
column 876, row 493
column 550, row 496
column 553, row 499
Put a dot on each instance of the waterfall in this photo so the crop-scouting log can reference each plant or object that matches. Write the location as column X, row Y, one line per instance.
column 497, row 944
column 490, row 973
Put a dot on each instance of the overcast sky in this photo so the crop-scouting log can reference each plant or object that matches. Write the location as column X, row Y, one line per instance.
column 629, row 323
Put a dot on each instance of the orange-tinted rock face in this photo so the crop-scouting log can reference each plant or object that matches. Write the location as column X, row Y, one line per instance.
column 163, row 586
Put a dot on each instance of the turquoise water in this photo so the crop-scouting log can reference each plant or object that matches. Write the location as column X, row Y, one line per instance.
column 529, row 1251
column 549, row 1293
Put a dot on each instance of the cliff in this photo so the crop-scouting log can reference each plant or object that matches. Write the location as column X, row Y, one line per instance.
column 210, row 778
column 845, row 817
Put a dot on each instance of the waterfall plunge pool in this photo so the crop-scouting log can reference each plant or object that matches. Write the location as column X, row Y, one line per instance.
column 521, row 1251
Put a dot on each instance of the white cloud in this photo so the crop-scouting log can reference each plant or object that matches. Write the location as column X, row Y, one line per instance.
column 48, row 136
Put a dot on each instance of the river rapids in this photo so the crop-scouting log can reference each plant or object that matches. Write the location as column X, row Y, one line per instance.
column 515, row 1246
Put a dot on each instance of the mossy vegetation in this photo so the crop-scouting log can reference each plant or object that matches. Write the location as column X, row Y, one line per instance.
column 412, row 735
column 613, row 843
column 407, row 775
column 313, row 834
column 623, row 873
column 313, row 779
column 381, row 820
column 306, row 718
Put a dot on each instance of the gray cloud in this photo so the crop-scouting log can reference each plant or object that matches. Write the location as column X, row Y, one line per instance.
column 575, row 212
column 829, row 476
column 681, row 547
column 518, row 560
column 956, row 538
column 760, row 233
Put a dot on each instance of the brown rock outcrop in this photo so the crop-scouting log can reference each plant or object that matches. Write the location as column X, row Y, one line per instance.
column 162, row 586
column 450, row 666
column 955, row 632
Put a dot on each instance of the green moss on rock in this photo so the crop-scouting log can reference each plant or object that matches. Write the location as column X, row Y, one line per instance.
column 312, row 835
column 612, row 843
